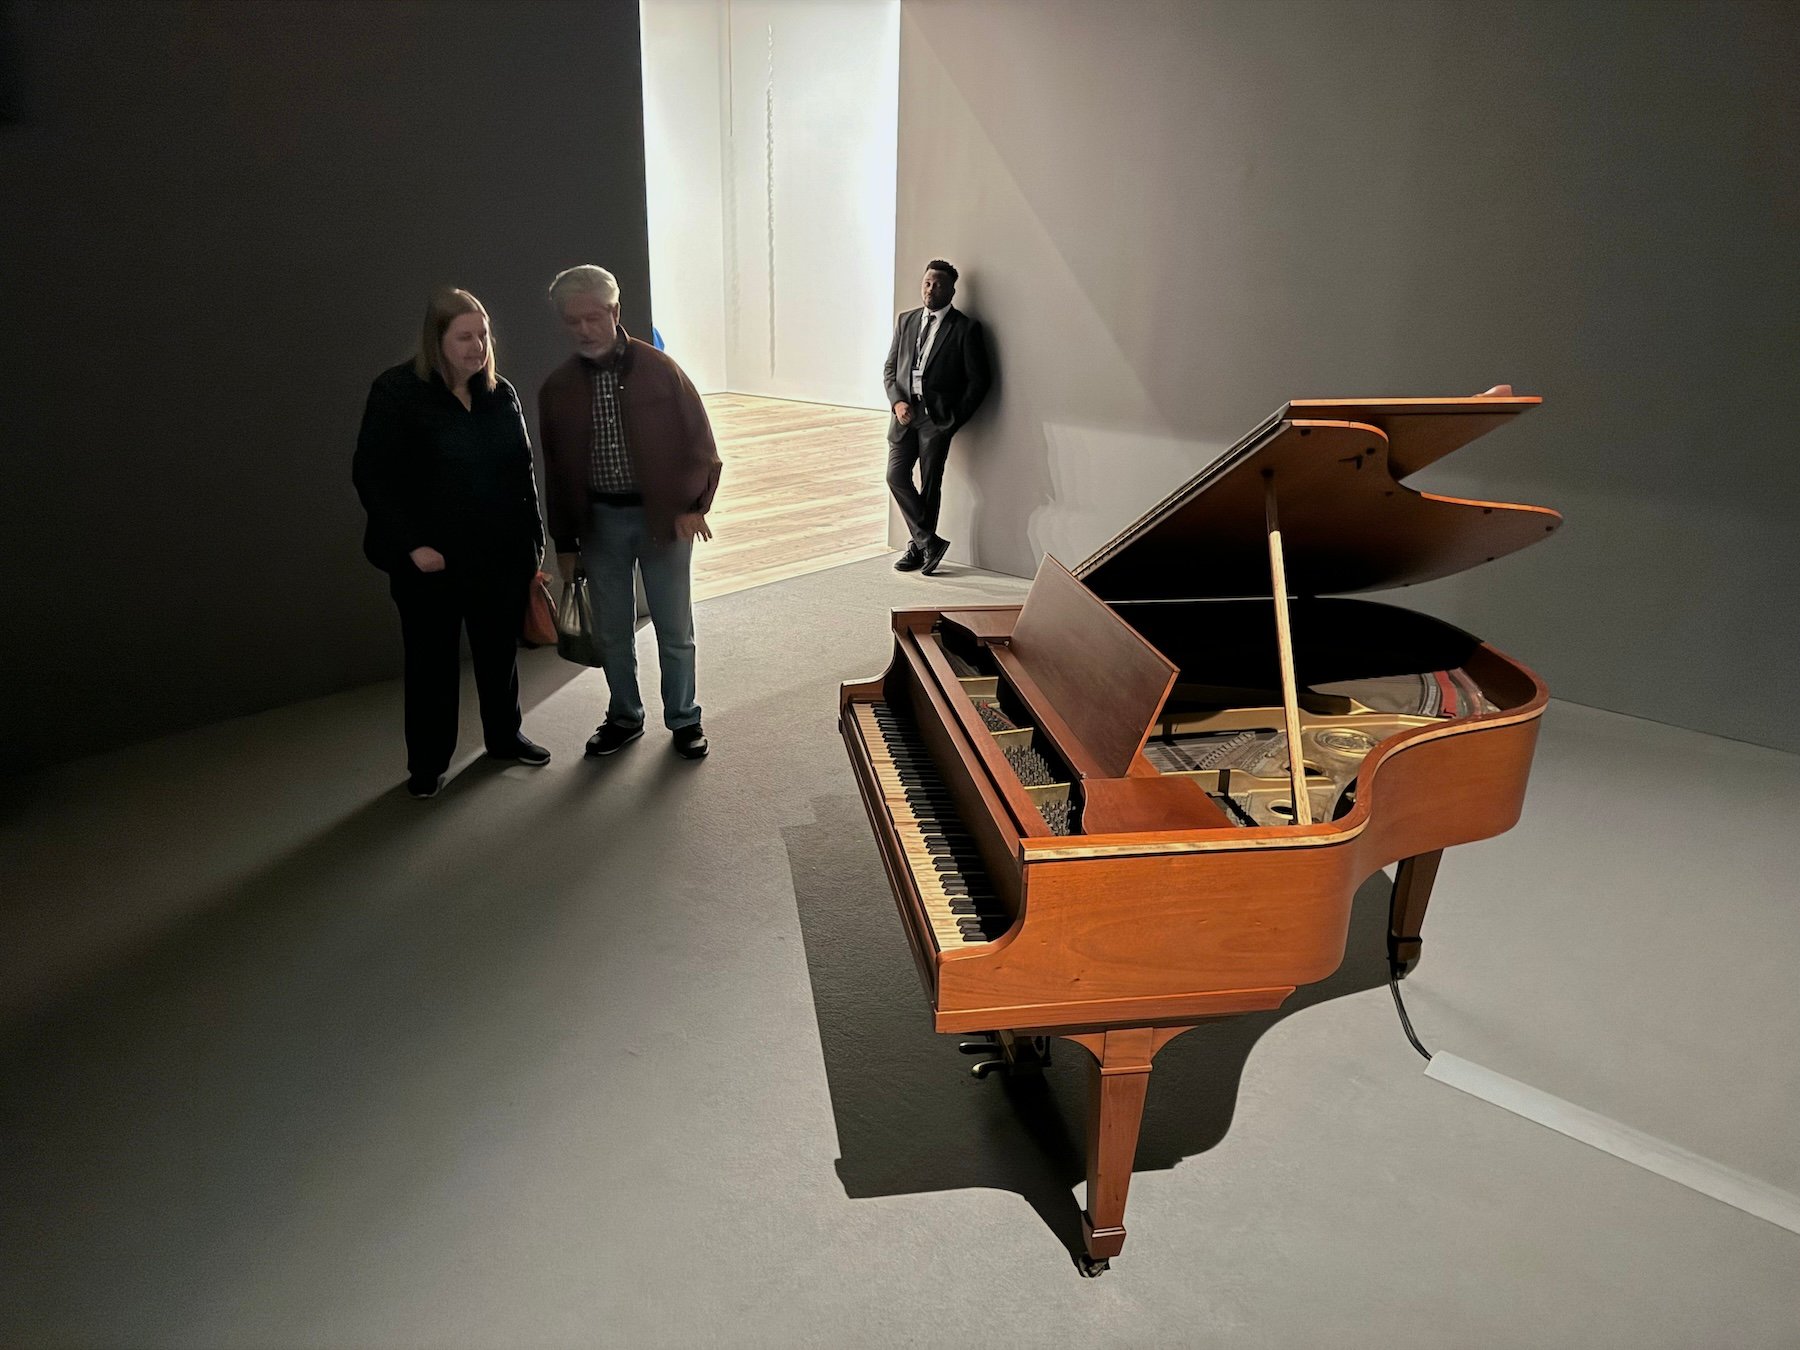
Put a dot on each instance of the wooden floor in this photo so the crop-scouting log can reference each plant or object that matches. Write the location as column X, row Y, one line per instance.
column 802, row 490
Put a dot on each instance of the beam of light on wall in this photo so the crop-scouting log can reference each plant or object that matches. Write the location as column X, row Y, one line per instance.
column 769, row 188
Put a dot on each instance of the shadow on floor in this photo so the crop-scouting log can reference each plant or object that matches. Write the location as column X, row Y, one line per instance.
column 910, row 1117
column 93, row 854
column 172, row 1120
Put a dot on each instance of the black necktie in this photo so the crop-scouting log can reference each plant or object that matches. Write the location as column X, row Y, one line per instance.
column 924, row 345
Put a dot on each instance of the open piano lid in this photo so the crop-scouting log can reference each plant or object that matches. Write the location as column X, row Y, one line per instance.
column 1347, row 523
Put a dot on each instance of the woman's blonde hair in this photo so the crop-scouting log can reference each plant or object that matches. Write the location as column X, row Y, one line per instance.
column 445, row 307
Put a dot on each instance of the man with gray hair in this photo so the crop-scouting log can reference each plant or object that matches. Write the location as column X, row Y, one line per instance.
column 630, row 470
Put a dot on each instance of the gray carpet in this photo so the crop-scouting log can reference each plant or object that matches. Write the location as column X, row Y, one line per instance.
column 632, row 1053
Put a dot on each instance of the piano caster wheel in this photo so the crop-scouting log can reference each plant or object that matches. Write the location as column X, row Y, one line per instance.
column 986, row 1046
column 982, row 1068
column 1090, row 1267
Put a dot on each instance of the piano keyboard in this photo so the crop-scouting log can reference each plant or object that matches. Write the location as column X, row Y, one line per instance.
column 960, row 901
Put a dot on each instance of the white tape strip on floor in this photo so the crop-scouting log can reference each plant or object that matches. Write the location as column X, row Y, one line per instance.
column 1609, row 1136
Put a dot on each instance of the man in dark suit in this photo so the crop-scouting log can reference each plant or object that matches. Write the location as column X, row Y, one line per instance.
column 936, row 374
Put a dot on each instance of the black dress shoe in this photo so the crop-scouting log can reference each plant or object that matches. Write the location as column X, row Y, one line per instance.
column 521, row 751
column 934, row 554
column 910, row 561
column 690, row 742
column 611, row 736
column 421, row 786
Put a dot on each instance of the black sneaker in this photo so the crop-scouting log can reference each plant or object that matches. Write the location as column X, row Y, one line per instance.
column 422, row 786
column 690, row 742
column 521, row 751
column 910, row 561
column 611, row 736
column 934, row 554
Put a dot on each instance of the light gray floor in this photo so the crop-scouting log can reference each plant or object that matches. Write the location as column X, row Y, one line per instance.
column 631, row 1053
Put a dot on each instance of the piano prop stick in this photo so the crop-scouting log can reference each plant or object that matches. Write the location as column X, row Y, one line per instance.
column 1284, row 639
column 1090, row 893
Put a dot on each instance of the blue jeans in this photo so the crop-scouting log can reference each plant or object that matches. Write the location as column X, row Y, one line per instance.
column 618, row 539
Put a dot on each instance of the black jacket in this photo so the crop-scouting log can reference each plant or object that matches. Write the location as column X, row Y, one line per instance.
column 432, row 473
column 956, row 376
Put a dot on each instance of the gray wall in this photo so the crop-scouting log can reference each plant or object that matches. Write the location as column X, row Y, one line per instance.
column 220, row 221
column 1176, row 216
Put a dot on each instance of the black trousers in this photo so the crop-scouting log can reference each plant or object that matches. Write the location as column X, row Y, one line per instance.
column 924, row 445
column 434, row 607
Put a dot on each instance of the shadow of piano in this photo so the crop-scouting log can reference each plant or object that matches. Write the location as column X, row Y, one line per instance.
column 910, row 1119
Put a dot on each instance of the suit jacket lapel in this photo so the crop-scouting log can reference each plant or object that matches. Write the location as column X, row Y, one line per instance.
column 945, row 325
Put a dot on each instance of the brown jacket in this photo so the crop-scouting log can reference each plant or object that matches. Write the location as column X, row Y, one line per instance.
column 667, row 436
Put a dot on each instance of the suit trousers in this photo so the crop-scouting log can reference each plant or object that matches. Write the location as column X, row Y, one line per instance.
column 489, row 599
column 617, row 541
column 925, row 446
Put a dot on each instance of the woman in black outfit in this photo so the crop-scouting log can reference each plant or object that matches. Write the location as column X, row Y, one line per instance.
column 443, row 467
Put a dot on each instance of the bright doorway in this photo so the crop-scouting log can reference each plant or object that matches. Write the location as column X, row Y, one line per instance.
column 770, row 147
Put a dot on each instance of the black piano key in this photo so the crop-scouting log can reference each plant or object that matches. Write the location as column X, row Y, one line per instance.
column 954, row 836
column 978, row 908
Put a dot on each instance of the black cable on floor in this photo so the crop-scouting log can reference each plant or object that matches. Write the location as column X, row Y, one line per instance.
column 1405, row 1021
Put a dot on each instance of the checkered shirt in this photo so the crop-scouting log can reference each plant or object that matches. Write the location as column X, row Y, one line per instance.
column 609, row 467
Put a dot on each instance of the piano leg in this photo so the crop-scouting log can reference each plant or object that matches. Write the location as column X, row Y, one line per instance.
column 1406, row 916
column 1118, row 1080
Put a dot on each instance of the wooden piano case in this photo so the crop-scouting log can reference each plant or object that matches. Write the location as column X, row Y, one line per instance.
column 1096, row 764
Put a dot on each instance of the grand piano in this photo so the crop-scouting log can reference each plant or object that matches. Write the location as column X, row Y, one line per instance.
column 1145, row 798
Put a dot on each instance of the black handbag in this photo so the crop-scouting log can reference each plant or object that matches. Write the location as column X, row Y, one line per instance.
column 577, row 637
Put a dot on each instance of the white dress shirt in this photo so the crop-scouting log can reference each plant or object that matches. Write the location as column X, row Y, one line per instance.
column 927, row 340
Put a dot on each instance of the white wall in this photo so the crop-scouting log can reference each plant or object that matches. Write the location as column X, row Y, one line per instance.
column 684, row 58
column 770, row 129
column 1175, row 215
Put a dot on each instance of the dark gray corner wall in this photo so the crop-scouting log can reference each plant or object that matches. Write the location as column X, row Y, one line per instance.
column 1176, row 216
column 220, row 221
